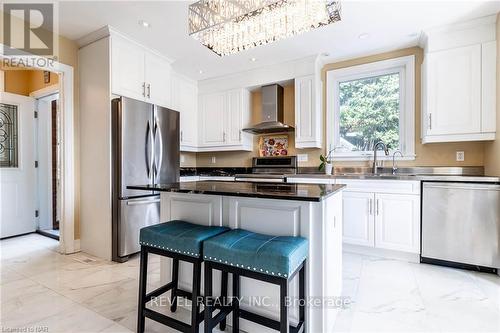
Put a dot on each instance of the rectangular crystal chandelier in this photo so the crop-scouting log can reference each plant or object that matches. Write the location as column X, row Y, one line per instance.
column 231, row 26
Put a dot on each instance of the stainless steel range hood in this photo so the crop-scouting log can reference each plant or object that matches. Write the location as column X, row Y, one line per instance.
column 272, row 112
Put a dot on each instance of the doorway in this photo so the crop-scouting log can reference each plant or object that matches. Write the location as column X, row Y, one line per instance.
column 47, row 129
column 30, row 155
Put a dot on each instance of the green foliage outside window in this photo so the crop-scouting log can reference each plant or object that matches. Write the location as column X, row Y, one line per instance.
column 369, row 112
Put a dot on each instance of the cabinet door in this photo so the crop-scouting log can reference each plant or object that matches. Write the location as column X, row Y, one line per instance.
column 454, row 91
column 233, row 117
column 397, row 222
column 306, row 113
column 188, row 95
column 158, row 81
column 212, row 119
column 127, row 69
column 358, row 227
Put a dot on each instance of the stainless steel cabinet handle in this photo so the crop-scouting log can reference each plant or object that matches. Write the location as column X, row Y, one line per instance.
column 240, row 134
column 144, row 89
column 430, row 121
column 142, row 202
column 149, row 90
column 378, row 207
column 370, row 206
column 224, row 136
column 182, row 137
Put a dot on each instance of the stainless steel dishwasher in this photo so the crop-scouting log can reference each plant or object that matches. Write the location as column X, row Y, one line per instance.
column 461, row 225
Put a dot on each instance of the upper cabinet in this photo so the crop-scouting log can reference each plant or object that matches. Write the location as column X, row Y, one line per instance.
column 139, row 73
column 222, row 116
column 308, row 112
column 458, row 83
column 184, row 98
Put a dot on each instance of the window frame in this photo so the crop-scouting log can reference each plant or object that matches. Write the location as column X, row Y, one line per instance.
column 405, row 67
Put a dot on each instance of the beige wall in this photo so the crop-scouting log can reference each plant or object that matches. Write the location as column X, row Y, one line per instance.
column 24, row 82
column 67, row 54
column 438, row 154
column 492, row 149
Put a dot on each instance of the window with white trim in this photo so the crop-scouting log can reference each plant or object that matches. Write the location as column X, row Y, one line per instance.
column 370, row 103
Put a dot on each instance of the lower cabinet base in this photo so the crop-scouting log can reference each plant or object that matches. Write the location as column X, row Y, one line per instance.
column 389, row 254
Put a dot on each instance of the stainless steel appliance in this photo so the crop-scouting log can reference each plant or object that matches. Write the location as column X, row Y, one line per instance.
column 461, row 225
column 145, row 151
column 270, row 169
column 272, row 112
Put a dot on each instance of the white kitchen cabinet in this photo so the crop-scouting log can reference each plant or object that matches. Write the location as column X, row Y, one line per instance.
column 223, row 115
column 139, row 73
column 358, row 225
column 381, row 214
column 184, row 98
column 307, row 112
column 212, row 111
column 397, row 222
column 158, row 79
column 127, row 69
column 459, row 83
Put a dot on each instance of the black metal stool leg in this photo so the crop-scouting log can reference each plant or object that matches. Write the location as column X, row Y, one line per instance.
column 284, row 327
column 143, row 277
column 195, row 305
column 236, row 303
column 175, row 281
column 302, row 296
column 222, row 325
column 208, row 296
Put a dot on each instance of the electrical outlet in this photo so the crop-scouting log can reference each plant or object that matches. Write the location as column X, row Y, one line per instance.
column 183, row 159
column 214, row 160
column 302, row 157
column 460, row 156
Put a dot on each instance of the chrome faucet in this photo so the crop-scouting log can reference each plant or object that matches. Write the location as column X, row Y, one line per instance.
column 375, row 148
column 394, row 166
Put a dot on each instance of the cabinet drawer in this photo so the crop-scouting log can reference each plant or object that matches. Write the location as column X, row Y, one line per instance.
column 381, row 186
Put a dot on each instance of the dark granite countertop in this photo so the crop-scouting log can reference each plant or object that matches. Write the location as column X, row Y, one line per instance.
column 300, row 192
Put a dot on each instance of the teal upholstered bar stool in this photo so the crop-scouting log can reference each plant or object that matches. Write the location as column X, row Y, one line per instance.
column 181, row 241
column 262, row 257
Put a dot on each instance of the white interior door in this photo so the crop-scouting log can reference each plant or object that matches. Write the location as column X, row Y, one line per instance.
column 17, row 181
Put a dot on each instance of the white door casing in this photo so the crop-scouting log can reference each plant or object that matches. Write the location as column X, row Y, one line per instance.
column 17, row 185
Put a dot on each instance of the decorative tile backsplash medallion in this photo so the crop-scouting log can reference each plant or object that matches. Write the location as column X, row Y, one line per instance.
column 273, row 145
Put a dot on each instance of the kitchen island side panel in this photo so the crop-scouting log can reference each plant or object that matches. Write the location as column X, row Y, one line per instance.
column 319, row 222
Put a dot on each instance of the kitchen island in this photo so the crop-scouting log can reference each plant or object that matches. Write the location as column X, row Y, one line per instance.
column 313, row 211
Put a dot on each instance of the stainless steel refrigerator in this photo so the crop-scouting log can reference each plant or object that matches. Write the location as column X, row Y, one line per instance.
column 145, row 147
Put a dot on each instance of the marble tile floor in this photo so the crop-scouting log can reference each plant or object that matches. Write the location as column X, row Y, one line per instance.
column 79, row 293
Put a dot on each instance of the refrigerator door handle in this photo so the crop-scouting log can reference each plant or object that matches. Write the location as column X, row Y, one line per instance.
column 149, row 149
column 159, row 157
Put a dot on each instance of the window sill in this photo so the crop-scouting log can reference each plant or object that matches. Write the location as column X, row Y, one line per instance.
column 370, row 158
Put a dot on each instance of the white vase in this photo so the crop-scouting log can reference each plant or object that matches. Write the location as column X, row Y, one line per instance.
column 328, row 168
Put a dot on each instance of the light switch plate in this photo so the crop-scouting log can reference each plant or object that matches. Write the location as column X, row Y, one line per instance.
column 302, row 157
column 183, row 159
column 460, row 156
column 214, row 160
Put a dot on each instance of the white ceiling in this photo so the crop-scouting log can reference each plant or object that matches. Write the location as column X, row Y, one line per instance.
column 390, row 25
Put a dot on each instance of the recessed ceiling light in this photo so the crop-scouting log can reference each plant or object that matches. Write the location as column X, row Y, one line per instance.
column 144, row 24
column 253, row 59
column 363, row 36
column 200, row 71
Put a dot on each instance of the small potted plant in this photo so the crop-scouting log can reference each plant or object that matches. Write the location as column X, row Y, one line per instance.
column 327, row 162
